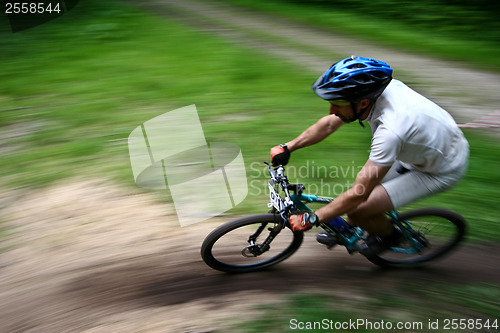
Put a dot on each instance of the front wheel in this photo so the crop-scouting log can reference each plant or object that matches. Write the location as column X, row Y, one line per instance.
column 250, row 243
column 436, row 231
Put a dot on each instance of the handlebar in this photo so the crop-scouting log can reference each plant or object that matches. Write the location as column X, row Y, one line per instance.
column 278, row 176
column 277, row 173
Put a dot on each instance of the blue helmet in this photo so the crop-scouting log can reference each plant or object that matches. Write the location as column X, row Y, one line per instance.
column 353, row 79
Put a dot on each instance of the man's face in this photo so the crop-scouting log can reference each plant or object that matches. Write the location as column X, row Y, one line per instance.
column 342, row 110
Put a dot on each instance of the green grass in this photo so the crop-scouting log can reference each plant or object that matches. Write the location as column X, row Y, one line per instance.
column 104, row 69
column 409, row 303
column 460, row 32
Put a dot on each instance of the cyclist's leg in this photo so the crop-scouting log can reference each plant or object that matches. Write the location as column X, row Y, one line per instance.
column 370, row 215
column 397, row 192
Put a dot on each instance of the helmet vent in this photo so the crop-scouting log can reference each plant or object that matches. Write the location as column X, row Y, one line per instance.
column 340, row 85
column 333, row 75
column 379, row 74
column 353, row 66
column 363, row 79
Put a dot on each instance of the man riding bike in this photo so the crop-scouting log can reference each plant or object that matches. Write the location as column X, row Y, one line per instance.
column 417, row 149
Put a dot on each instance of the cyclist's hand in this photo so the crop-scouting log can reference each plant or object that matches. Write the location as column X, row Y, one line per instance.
column 301, row 222
column 280, row 155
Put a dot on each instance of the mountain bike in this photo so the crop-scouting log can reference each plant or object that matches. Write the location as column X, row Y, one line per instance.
column 259, row 241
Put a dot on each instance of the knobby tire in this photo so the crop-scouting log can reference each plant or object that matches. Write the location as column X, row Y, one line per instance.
column 217, row 261
column 448, row 218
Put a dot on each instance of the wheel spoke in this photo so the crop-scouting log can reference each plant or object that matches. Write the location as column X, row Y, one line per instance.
column 435, row 232
column 249, row 244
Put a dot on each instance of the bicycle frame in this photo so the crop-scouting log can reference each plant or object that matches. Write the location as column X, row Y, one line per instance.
column 299, row 200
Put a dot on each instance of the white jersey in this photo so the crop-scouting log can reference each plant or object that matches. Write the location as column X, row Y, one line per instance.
column 408, row 127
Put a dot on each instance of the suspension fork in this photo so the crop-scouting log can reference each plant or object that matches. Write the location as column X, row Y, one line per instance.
column 252, row 238
column 266, row 245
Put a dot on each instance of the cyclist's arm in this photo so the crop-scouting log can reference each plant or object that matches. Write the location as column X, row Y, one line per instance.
column 366, row 180
column 316, row 133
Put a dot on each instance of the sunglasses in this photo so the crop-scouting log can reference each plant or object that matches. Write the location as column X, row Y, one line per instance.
column 339, row 102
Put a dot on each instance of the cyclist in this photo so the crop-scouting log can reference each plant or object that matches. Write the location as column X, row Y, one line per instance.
column 417, row 148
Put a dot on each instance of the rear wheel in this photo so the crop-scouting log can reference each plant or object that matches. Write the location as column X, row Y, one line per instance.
column 249, row 244
column 437, row 231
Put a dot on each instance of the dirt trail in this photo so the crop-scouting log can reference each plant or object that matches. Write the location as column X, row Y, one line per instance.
column 86, row 256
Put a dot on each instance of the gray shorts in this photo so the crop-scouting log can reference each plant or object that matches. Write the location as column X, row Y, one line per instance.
column 407, row 186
